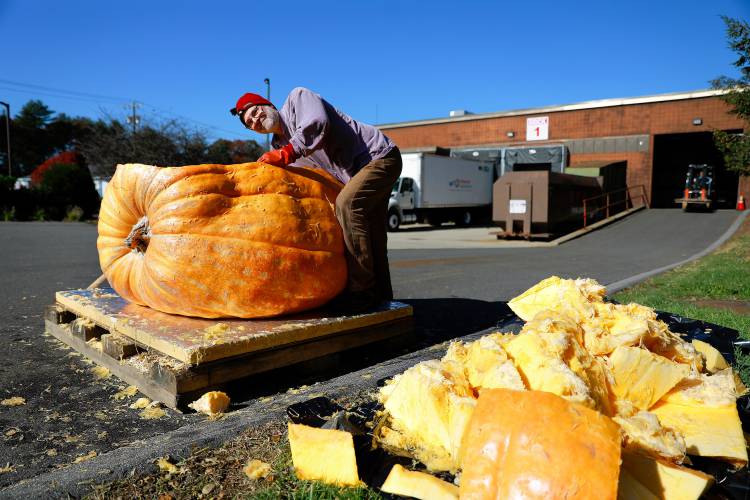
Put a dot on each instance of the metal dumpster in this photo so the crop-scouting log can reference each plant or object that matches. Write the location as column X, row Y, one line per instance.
column 612, row 176
column 540, row 204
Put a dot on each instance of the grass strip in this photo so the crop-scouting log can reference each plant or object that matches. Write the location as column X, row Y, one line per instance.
column 715, row 288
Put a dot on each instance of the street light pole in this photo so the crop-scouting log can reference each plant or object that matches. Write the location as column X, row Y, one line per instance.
column 268, row 96
column 7, row 132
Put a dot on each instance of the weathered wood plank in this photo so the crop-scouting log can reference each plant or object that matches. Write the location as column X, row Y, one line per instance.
column 196, row 341
column 232, row 369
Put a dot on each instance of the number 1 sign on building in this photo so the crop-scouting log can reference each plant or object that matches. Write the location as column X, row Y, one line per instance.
column 537, row 128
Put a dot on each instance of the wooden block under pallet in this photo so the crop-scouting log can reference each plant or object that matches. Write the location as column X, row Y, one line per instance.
column 119, row 347
column 58, row 315
column 85, row 329
column 175, row 383
column 130, row 373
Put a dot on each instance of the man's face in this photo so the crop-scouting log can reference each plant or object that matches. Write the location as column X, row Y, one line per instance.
column 262, row 119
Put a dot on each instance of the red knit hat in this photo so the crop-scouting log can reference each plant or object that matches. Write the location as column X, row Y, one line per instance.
column 253, row 99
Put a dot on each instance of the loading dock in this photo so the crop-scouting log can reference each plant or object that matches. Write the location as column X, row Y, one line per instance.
column 672, row 155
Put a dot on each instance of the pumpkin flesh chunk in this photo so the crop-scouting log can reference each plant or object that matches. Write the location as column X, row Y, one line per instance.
column 574, row 297
column 549, row 356
column 485, row 363
column 705, row 413
column 642, row 377
column 429, row 406
column 643, row 433
column 323, row 454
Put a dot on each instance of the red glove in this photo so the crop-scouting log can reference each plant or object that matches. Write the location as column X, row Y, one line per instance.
column 279, row 157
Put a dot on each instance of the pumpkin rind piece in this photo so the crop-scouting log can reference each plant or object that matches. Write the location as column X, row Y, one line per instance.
column 323, row 454
column 249, row 240
column 714, row 360
column 419, row 485
column 532, row 444
column 709, row 432
column 665, row 480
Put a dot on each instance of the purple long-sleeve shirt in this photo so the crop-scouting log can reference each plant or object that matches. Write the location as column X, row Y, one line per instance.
column 326, row 137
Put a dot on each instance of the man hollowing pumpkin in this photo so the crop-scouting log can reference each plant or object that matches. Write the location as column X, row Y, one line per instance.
column 309, row 130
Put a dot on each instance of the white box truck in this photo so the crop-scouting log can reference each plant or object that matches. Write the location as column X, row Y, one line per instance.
column 434, row 189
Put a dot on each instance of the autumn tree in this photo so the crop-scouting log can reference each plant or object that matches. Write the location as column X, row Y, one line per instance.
column 736, row 147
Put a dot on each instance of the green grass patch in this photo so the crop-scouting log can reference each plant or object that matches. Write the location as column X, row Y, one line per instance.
column 722, row 276
column 286, row 485
column 218, row 473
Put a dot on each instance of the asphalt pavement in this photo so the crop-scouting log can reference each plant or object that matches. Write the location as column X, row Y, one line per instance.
column 455, row 291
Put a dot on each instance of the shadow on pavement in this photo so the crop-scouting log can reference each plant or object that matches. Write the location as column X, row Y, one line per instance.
column 435, row 321
column 438, row 320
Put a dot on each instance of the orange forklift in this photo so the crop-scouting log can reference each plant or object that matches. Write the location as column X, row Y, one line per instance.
column 699, row 191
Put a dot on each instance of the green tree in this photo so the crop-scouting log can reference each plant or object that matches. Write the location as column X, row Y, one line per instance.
column 238, row 151
column 33, row 114
column 37, row 134
column 29, row 142
column 65, row 132
column 736, row 147
column 66, row 185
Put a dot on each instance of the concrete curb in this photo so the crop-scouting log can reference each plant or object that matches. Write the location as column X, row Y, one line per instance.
column 627, row 282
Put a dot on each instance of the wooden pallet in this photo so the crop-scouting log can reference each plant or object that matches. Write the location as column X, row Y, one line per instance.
column 175, row 359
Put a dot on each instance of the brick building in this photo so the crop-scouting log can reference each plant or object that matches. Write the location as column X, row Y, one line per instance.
column 658, row 136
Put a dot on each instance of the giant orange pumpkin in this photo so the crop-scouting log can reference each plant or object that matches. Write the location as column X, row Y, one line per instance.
column 249, row 240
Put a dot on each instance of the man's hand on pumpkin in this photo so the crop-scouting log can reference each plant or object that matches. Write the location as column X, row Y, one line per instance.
column 279, row 157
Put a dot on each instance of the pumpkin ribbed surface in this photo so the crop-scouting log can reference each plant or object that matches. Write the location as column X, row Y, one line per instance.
column 249, row 240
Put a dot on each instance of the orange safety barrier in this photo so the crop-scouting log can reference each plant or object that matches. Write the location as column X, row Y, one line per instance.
column 628, row 201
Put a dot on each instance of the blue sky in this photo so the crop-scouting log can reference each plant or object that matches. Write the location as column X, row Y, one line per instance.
column 379, row 61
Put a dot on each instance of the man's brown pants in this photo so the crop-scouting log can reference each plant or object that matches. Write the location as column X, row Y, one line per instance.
column 361, row 209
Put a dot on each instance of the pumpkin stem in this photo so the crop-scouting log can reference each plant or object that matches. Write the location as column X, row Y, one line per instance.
column 139, row 236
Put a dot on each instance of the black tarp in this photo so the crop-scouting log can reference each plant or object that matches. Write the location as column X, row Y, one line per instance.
column 374, row 464
column 553, row 158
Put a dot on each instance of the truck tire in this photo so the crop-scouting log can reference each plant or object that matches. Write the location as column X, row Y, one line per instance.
column 393, row 220
column 465, row 218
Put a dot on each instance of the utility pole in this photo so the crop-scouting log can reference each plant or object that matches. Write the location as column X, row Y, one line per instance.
column 268, row 96
column 7, row 133
column 134, row 119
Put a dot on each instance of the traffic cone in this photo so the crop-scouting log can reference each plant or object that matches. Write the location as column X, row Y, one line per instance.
column 741, row 203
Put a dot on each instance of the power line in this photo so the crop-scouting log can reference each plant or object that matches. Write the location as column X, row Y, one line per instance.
column 96, row 98
column 49, row 94
column 72, row 92
column 176, row 115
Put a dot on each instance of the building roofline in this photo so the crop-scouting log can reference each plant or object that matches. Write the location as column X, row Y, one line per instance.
column 600, row 103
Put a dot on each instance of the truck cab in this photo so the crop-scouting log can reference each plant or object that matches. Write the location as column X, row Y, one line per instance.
column 402, row 203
